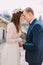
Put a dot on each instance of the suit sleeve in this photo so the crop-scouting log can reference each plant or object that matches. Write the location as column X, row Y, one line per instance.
column 36, row 32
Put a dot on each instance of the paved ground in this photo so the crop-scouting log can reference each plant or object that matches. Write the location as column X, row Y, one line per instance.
column 1, row 47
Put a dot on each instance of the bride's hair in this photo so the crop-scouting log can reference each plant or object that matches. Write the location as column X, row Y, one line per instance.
column 16, row 19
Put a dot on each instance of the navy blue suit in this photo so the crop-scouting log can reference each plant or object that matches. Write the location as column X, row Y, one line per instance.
column 34, row 43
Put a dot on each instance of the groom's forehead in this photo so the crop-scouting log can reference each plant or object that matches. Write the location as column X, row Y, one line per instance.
column 25, row 13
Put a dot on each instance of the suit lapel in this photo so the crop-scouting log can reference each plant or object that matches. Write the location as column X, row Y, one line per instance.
column 31, row 27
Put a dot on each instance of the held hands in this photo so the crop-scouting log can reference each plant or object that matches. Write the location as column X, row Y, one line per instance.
column 20, row 43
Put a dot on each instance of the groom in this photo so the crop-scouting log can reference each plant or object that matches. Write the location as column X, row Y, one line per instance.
column 34, row 39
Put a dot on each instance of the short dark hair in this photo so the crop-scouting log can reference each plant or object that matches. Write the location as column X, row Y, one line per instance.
column 28, row 9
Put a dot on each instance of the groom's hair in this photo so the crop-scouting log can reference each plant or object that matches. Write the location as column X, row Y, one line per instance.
column 28, row 9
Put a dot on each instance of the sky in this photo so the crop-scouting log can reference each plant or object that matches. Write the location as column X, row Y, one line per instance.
column 10, row 5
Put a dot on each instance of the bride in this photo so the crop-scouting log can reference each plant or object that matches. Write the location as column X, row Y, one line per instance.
column 10, row 53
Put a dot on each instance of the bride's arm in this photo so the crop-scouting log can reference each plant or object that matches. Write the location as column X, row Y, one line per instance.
column 10, row 29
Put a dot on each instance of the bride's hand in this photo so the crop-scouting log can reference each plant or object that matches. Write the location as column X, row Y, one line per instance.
column 20, row 44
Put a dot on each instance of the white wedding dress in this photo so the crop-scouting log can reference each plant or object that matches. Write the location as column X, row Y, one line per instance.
column 10, row 53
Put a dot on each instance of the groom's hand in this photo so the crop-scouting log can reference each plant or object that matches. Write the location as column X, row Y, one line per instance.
column 20, row 44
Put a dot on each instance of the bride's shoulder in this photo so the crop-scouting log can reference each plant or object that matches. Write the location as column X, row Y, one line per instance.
column 11, row 24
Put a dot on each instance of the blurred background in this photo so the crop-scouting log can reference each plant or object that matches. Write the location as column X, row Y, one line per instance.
column 7, row 7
